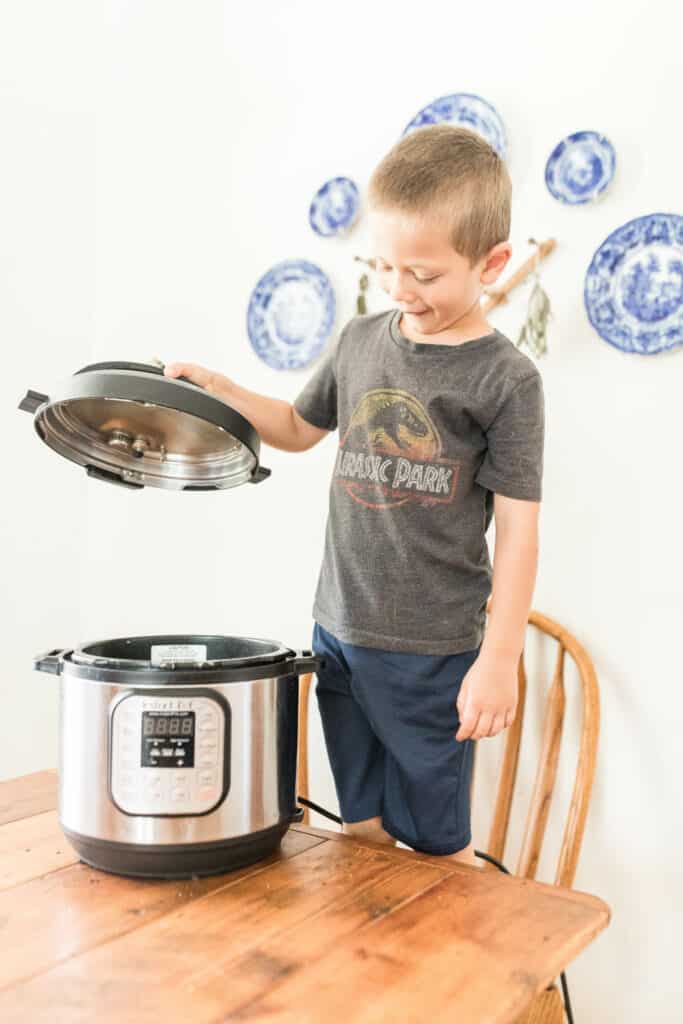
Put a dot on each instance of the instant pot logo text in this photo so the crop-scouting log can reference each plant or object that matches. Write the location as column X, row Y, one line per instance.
column 391, row 453
column 167, row 705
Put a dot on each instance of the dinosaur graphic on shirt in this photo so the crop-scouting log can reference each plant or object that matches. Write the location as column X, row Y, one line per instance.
column 389, row 417
column 391, row 455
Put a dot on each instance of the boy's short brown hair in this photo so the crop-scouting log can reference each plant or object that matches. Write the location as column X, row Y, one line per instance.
column 454, row 170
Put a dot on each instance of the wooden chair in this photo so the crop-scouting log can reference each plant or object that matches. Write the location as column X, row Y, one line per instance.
column 548, row 1006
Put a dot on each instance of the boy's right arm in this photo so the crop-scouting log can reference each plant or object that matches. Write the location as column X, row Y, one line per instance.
column 275, row 421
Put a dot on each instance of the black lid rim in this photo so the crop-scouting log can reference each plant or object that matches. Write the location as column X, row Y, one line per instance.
column 152, row 389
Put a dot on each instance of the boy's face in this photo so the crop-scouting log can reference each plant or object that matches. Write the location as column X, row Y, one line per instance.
column 432, row 284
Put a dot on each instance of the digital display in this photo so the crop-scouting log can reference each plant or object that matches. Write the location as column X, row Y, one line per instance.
column 167, row 725
column 168, row 739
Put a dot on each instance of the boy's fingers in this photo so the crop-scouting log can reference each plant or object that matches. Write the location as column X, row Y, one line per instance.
column 483, row 725
column 468, row 726
column 497, row 725
column 197, row 374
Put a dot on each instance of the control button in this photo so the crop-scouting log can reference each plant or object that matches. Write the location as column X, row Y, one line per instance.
column 207, row 741
column 167, row 752
column 208, row 794
column 179, row 794
column 127, row 762
column 207, row 778
column 180, row 779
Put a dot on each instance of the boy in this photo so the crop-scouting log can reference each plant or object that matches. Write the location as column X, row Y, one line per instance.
column 441, row 425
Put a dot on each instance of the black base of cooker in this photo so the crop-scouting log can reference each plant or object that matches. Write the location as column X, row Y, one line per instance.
column 181, row 860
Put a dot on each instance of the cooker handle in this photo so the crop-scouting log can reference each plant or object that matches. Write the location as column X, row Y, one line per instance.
column 32, row 401
column 51, row 661
column 306, row 661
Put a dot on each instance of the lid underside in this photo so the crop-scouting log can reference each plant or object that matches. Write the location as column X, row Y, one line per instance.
column 146, row 444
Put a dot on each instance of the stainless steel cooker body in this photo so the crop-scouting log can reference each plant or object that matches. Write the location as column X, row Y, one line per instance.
column 178, row 769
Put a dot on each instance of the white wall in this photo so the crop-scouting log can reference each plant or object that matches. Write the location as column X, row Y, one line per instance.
column 158, row 158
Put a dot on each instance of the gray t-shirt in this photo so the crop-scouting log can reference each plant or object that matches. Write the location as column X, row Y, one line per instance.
column 427, row 433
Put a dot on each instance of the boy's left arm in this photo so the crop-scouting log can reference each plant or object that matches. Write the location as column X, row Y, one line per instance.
column 487, row 701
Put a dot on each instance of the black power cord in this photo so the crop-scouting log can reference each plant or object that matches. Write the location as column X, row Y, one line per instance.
column 484, row 856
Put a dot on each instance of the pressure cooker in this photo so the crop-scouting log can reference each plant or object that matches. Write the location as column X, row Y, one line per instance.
column 177, row 753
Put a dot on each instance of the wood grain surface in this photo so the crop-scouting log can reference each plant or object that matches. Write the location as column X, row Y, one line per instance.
column 329, row 929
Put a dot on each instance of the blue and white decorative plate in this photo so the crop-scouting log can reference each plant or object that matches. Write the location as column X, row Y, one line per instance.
column 634, row 286
column 580, row 167
column 291, row 314
column 334, row 207
column 468, row 110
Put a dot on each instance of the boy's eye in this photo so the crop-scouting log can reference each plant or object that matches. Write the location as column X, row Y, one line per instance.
column 422, row 280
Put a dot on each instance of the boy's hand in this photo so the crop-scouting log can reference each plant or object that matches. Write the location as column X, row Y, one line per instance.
column 214, row 383
column 487, row 701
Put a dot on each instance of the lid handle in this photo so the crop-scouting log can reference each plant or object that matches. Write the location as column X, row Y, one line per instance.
column 259, row 474
column 156, row 367
column 111, row 478
column 32, row 401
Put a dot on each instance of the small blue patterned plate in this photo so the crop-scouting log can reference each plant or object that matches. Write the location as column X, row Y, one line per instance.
column 634, row 285
column 291, row 314
column 334, row 207
column 468, row 110
column 580, row 167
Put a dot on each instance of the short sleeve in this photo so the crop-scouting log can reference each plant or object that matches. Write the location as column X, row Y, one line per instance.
column 317, row 401
column 513, row 461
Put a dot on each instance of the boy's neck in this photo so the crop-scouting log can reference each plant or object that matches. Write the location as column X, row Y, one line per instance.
column 477, row 327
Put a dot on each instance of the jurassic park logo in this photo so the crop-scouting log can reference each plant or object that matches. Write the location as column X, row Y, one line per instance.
column 391, row 453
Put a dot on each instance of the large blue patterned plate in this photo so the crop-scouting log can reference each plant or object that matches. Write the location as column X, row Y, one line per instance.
column 468, row 110
column 634, row 285
column 291, row 314
column 334, row 207
column 580, row 167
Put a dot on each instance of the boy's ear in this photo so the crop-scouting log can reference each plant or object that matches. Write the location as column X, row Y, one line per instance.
column 495, row 262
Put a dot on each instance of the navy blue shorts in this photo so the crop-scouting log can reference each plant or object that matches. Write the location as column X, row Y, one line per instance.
column 389, row 720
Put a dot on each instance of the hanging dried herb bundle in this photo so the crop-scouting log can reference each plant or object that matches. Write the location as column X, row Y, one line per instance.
column 361, row 304
column 534, row 330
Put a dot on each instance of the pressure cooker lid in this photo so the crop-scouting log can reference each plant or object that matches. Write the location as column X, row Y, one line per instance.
column 186, row 651
column 129, row 424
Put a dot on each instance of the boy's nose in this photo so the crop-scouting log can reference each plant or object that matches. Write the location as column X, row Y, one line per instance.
column 399, row 293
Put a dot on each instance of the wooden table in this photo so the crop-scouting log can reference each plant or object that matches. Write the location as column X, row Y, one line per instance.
column 330, row 930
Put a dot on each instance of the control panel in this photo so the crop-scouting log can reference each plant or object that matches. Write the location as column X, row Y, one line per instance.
column 169, row 755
